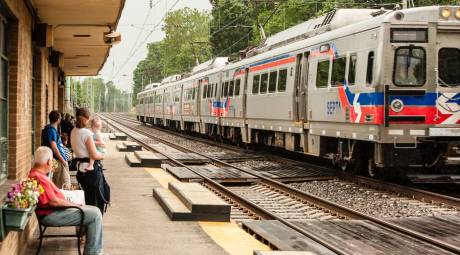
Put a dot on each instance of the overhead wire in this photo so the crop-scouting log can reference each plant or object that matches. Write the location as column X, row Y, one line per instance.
column 145, row 39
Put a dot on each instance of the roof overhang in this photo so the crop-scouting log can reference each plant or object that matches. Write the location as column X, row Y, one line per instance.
column 78, row 31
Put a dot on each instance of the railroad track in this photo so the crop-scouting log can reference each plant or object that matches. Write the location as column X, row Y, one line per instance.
column 274, row 161
column 249, row 200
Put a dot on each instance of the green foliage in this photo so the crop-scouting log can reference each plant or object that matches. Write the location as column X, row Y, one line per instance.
column 231, row 21
column 186, row 42
column 233, row 26
column 99, row 96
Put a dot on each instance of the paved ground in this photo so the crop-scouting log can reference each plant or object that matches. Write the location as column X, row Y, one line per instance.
column 135, row 223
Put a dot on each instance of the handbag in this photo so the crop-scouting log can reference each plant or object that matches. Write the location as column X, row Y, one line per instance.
column 74, row 196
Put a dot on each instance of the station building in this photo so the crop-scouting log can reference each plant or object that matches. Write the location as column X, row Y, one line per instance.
column 41, row 43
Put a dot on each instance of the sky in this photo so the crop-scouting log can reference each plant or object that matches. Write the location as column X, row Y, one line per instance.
column 124, row 57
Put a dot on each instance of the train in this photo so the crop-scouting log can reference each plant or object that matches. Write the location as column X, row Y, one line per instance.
column 371, row 90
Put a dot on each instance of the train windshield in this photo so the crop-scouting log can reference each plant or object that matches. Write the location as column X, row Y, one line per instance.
column 410, row 65
column 449, row 67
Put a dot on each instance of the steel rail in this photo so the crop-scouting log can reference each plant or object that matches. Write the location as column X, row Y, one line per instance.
column 265, row 214
column 419, row 194
column 329, row 206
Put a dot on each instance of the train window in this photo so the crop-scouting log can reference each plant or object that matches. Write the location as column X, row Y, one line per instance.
column 263, row 83
column 449, row 67
column 282, row 79
column 322, row 74
column 209, row 91
column 255, row 84
column 370, row 68
column 226, row 89
column 237, row 87
column 215, row 90
column 230, row 88
column 338, row 71
column 352, row 69
column 409, row 67
column 272, row 82
column 204, row 90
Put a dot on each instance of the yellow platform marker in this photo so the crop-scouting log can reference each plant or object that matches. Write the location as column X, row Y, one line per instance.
column 232, row 238
column 161, row 176
column 227, row 235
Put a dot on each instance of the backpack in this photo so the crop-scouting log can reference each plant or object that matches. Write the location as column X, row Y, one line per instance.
column 44, row 136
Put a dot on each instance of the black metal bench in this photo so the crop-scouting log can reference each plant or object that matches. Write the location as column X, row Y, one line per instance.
column 78, row 233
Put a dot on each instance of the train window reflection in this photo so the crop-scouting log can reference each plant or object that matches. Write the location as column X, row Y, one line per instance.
column 237, row 87
column 255, row 84
column 272, row 82
column 449, row 67
column 409, row 67
column 282, row 79
column 322, row 74
column 338, row 71
column 352, row 69
column 263, row 83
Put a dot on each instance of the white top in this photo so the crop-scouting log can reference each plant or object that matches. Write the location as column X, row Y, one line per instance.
column 78, row 139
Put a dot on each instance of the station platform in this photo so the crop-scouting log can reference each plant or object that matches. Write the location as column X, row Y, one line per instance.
column 135, row 223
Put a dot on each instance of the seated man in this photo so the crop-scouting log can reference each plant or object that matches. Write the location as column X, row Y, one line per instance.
column 53, row 197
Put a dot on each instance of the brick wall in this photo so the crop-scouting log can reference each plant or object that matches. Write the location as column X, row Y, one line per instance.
column 22, row 67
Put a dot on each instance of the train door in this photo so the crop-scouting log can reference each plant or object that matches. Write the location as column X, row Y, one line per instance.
column 448, row 77
column 244, row 129
column 199, row 95
column 300, row 90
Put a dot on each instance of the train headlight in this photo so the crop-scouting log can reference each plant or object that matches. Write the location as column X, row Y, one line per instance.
column 457, row 13
column 445, row 13
column 397, row 105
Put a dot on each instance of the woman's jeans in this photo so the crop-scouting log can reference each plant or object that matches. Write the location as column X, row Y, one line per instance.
column 72, row 217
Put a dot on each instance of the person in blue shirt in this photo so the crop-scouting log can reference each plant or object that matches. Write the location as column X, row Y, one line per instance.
column 52, row 139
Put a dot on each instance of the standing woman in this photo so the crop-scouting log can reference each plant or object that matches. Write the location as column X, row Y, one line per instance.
column 93, row 182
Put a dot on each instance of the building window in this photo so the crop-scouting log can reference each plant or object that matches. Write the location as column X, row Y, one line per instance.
column 3, row 101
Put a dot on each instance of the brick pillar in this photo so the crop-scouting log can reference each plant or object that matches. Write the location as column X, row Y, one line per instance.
column 19, row 43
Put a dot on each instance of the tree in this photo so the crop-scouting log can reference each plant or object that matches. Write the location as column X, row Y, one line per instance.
column 186, row 41
column 231, row 21
column 185, row 44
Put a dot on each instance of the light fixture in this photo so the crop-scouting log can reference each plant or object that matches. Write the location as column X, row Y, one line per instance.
column 457, row 13
column 445, row 13
column 112, row 37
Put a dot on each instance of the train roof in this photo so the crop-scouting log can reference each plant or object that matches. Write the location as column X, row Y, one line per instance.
column 328, row 22
column 344, row 23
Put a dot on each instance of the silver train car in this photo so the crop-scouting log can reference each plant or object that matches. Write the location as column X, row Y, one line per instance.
column 368, row 89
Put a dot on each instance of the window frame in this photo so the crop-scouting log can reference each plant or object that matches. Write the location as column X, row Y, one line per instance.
column 256, row 92
column 278, row 80
column 332, row 70
column 439, row 69
column 349, row 60
column 328, row 60
column 270, row 80
column 370, row 71
column 266, row 85
column 394, row 66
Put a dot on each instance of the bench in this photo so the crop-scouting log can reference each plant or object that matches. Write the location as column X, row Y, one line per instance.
column 43, row 227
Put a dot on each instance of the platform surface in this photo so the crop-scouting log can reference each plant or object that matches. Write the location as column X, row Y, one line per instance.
column 135, row 223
